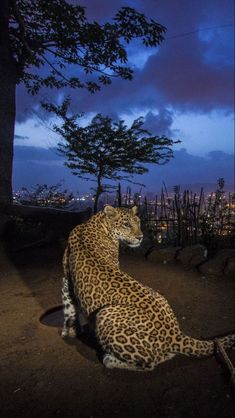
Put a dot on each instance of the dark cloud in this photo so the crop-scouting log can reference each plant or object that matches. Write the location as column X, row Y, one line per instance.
column 189, row 72
column 102, row 9
column 181, row 74
column 38, row 154
column 36, row 165
column 28, row 105
column 191, row 169
column 160, row 124
column 21, row 137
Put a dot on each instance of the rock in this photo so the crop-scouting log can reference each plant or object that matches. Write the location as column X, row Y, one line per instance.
column 213, row 267
column 146, row 245
column 218, row 264
column 163, row 255
column 229, row 270
column 192, row 255
column 5, row 223
column 226, row 253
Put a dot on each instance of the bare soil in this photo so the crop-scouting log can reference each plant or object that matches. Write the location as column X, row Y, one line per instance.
column 43, row 376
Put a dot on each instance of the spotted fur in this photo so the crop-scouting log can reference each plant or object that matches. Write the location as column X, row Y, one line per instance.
column 135, row 326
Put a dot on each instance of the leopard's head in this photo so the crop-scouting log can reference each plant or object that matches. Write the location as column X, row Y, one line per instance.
column 124, row 225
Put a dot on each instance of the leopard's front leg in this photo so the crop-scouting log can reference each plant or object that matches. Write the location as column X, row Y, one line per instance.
column 69, row 309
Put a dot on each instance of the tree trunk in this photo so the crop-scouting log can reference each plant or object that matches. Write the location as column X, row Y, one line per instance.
column 97, row 195
column 99, row 191
column 8, row 80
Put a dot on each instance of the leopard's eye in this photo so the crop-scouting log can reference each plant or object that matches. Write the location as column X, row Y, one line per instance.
column 127, row 224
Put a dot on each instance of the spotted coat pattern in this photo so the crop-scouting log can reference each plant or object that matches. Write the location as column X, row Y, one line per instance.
column 135, row 326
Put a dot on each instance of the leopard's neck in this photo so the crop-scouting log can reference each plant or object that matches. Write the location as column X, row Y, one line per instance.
column 98, row 240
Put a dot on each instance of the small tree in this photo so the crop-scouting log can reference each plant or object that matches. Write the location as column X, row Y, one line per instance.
column 41, row 39
column 107, row 150
column 45, row 196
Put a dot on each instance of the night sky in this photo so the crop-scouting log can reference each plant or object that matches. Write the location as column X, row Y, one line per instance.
column 184, row 89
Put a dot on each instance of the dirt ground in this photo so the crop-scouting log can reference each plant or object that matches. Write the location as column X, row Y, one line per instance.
column 44, row 376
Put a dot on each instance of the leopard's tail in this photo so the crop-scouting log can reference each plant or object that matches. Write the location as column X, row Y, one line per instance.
column 193, row 347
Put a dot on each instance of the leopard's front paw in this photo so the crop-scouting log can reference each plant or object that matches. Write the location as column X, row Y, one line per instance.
column 109, row 361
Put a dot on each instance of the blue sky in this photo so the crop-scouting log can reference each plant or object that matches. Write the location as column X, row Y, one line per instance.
column 184, row 88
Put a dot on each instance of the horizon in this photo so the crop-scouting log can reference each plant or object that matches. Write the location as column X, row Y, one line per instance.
column 48, row 168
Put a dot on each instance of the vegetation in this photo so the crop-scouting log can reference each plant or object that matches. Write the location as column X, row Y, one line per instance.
column 46, row 196
column 179, row 218
column 105, row 149
column 187, row 218
column 40, row 40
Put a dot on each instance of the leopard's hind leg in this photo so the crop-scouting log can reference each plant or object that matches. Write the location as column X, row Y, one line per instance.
column 126, row 338
column 111, row 361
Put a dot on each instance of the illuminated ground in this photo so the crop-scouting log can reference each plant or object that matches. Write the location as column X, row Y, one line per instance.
column 43, row 376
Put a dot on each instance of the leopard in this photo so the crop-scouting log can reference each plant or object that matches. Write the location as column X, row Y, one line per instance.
column 134, row 325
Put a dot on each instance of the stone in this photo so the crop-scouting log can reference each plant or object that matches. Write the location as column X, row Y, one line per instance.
column 192, row 255
column 146, row 245
column 163, row 255
column 229, row 270
column 5, row 223
column 218, row 264
column 212, row 267
column 226, row 253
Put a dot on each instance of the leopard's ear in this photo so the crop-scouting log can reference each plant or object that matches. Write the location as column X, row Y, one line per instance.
column 110, row 212
column 134, row 210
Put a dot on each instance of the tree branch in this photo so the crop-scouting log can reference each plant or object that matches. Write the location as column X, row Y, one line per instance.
column 21, row 24
column 55, row 69
column 88, row 67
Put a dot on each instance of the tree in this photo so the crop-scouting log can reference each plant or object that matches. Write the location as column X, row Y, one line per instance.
column 40, row 40
column 107, row 150
column 45, row 196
